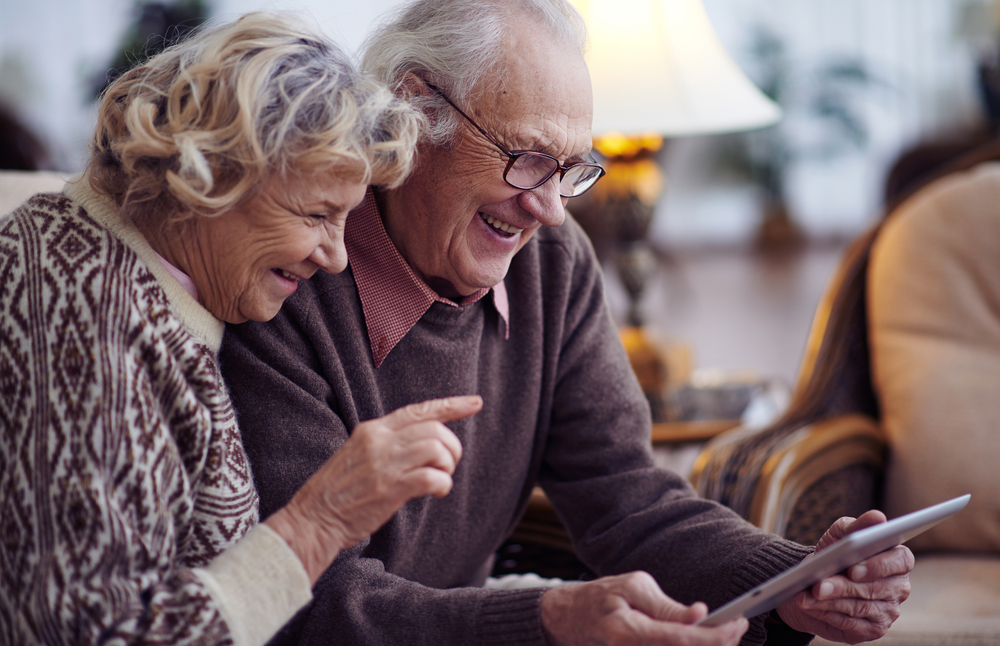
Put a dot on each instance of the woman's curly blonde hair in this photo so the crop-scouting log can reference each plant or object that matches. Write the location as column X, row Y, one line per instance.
column 198, row 128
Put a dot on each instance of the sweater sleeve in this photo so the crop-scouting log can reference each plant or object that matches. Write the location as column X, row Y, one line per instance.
column 259, row 584
column 622, row 512
column 285, row 405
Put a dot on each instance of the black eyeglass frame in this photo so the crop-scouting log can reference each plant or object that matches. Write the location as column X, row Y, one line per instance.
column 514, row 155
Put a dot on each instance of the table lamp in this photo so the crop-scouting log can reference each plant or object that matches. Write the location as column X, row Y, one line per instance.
column 658, row 70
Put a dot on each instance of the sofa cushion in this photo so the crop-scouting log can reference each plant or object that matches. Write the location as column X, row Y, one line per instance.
column 934, row 325
column 16, row 186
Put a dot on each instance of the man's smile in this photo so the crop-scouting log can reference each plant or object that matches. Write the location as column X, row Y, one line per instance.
column 500, row 227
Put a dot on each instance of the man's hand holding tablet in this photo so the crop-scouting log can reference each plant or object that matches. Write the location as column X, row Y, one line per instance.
column 850, row 589
column 859, row 604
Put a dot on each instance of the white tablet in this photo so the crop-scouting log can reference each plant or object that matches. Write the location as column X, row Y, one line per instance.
column 848, row 551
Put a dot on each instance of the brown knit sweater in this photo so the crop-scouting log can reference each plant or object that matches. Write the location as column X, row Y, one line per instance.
column 122, row 477
column 562, row 409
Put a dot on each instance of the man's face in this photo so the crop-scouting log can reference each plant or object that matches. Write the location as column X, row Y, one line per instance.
column 456, row 221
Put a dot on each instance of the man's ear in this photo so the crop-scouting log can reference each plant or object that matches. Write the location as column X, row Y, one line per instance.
column 412, row 86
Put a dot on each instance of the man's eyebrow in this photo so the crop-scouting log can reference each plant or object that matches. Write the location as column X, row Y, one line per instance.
column 572, row 159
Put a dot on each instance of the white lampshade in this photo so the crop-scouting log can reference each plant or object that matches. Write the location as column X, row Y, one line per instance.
column 657, row 66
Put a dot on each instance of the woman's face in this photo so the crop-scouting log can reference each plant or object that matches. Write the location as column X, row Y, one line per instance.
column 249, row 260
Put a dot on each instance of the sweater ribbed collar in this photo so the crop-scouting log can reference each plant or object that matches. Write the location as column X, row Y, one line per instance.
column 393, row 297
column 195, row 318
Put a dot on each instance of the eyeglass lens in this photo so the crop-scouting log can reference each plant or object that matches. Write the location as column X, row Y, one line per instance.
column 578, row 179
column 531, row 170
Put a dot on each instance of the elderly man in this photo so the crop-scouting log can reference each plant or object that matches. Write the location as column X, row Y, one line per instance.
column 470, row 278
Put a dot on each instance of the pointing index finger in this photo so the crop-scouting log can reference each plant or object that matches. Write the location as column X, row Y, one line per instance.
column 447, row 409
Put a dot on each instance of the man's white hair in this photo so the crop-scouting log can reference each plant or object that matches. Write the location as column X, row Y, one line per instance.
column 461, row 47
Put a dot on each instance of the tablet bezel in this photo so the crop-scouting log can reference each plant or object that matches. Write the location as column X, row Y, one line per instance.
column 848, row 551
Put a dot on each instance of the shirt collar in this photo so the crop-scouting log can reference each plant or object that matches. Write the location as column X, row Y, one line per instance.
column 181, row 277
column 393, row 297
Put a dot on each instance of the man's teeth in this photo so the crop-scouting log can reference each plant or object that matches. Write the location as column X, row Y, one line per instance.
column 285, row 274
column 503, row 226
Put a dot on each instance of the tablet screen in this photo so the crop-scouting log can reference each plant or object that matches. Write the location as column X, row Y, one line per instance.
column 848, row 551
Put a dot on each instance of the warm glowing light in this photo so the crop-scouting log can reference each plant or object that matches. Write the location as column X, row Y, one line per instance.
column 639, row 178
column 615, row 144
column 658, row 66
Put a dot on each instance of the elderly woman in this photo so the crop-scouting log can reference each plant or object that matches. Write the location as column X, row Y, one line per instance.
column 221, row 175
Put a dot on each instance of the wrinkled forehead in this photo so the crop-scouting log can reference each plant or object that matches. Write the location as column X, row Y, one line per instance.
column 546, row 101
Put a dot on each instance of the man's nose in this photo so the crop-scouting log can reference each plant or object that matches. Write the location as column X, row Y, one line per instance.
column 544, row 203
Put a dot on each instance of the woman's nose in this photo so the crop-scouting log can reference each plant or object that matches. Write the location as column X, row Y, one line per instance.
column 330, row 254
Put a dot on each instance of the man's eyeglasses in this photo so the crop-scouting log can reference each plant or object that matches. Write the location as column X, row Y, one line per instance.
column 528, row 169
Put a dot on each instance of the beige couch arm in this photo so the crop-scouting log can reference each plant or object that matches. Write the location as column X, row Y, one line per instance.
column 17, row 186
column 776, row 483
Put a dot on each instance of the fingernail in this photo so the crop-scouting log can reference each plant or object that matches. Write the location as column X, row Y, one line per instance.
column 825, row 590
column 859, row 572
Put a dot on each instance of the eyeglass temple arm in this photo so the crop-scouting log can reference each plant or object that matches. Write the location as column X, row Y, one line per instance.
column 475, row 125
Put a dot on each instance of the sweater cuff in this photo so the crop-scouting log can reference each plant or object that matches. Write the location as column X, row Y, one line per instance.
column 767, row 562
column 512, row 617
column 259, row 584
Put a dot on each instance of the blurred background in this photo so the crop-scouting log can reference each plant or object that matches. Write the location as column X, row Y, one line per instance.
column 749, row 226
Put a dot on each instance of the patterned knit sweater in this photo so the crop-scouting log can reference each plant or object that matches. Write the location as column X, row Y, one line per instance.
column 124, row 489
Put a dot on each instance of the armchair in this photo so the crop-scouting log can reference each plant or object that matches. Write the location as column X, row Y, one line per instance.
column 897, row 405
